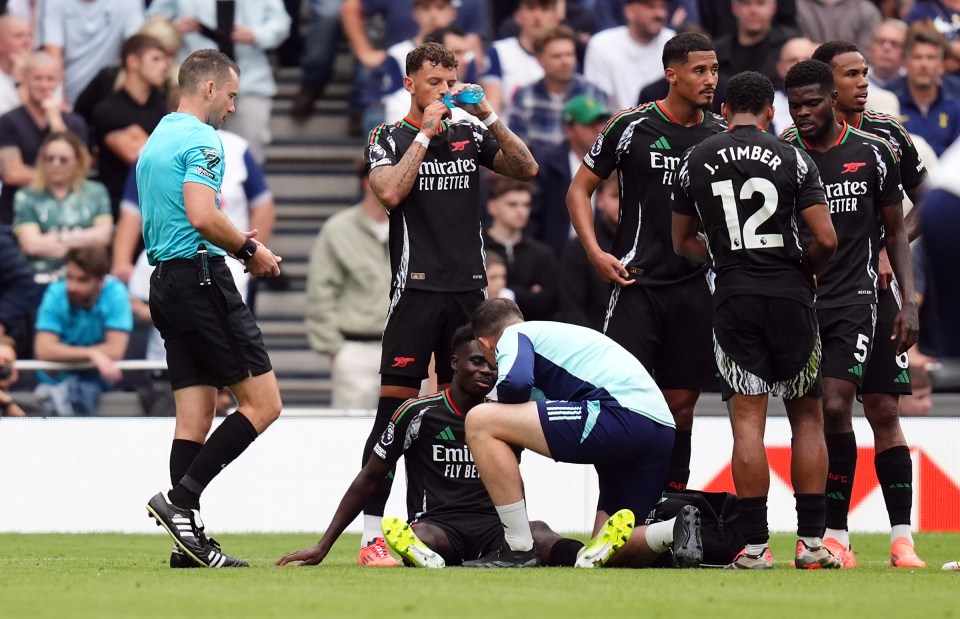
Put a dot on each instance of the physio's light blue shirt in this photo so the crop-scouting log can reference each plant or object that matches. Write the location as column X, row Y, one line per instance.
column 181, row 150
column 573, row 363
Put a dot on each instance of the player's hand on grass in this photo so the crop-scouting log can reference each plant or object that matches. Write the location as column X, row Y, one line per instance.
column 308, row 556
column 906, row 327
column 610, row 269
column 884, row 270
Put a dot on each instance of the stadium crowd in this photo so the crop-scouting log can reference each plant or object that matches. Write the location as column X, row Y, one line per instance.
column 83, row 84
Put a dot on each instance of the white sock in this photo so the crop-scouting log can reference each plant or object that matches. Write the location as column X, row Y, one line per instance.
column 371, row 529
column 841, row 535
column 755, row 549
column 516, row 525
column 901, row 530
column 659, row 535
column 812, row 542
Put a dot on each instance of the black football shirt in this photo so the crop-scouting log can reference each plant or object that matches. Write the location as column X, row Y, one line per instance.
column 435, row 232
column 861, row 176
column 912, row 170
column 644, row 145
column 442, row 479
column 747, row 187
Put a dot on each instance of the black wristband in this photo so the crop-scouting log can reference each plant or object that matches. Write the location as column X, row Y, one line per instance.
column 246, row 252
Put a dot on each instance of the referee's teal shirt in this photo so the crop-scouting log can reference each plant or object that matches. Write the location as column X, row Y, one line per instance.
column 180, row 150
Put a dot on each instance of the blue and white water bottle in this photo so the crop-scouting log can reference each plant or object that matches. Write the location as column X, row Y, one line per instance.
column 470, row 94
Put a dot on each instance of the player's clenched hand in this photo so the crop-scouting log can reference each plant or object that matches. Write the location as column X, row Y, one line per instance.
column 906, row 327
column 308, row 556
column 481, row 110
column 610, row 269
column 264, row 263
column 432, row 115
column 884, row 270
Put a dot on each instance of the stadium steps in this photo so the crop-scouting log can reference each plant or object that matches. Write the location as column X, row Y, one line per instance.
column 311, row 170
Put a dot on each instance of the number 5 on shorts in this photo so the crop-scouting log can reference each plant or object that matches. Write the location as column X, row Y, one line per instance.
column 862, row 342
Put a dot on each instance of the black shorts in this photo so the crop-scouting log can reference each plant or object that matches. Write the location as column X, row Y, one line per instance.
column 667, row 328
column 470, row 536
column 421, row 323
column 767, row 345
column 846, row 339
column 209, row 333
column 887, row 372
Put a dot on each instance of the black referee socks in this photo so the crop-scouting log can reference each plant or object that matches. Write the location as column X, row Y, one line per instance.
column 182, row 455
column 226, row 443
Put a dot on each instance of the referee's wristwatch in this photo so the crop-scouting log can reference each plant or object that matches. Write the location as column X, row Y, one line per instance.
column 246, row 252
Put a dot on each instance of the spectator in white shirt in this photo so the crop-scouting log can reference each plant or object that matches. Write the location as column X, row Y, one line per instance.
column 621, row 61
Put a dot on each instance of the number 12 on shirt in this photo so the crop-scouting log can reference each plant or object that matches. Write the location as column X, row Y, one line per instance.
column 750, row 239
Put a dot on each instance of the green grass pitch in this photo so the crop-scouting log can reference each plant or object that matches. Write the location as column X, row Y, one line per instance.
column 102, row 576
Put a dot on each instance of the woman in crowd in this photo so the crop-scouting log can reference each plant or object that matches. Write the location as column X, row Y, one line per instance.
column 60, row 209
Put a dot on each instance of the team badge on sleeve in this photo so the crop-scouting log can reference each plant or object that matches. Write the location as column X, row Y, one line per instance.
column 377, row 156
column 387, row 437
column 597, row 146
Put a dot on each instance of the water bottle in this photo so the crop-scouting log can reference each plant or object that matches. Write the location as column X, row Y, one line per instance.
column 470, row 94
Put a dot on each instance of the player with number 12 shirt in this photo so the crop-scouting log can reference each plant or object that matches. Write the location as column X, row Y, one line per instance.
column 749, row 191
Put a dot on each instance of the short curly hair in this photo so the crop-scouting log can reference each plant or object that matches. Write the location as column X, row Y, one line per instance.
column 463, row 335
column 831, row 49
column 809, row 73
column 749, row 92
column 432, row 52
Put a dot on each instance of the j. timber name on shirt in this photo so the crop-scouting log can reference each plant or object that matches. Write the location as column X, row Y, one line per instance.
column 446, row 175
column 842, row 197
column 457, row 461
column 730, row 154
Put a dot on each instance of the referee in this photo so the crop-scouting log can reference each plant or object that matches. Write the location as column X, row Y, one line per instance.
column 211, row 337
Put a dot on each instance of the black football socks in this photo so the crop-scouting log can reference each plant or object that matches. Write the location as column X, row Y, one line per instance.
column 227, row 442
column 842, row 454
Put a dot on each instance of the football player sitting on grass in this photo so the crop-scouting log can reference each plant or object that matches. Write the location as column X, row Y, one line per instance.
column 452, row 519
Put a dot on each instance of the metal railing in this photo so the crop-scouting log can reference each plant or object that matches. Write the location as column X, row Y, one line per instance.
column 35, row 365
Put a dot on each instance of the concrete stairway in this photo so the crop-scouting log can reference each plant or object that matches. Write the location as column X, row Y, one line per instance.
column 310, row 170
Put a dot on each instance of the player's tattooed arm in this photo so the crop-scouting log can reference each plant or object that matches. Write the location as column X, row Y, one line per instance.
column 514, row 159
column 391, row 184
